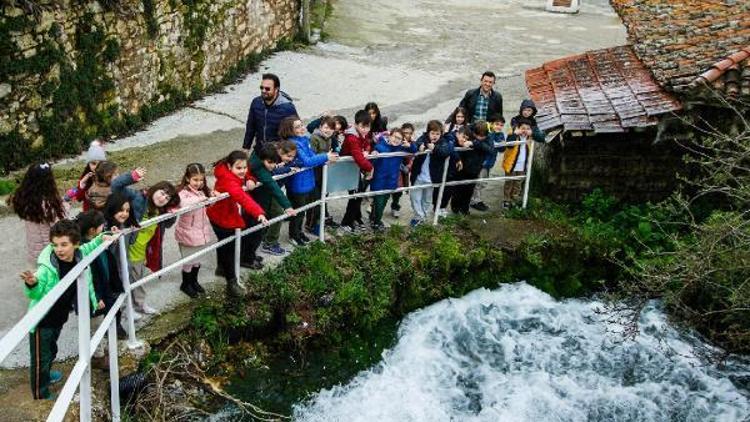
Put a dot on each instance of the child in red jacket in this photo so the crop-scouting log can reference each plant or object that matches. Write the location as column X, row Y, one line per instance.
column 231, row 176
column 358, row 144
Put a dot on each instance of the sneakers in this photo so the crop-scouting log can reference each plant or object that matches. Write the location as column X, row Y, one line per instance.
column 347, row 229
column 252, row 265
column 414, row 222
column 274, row 249
column 314, row 230
column 480, row 206
column 506, row 205
column 54, row 376
column 442, row 212
column 187, row 285
column 299, row 240
column 378, row 227
column 332, row 224
column 395, row 213
column 136, row 315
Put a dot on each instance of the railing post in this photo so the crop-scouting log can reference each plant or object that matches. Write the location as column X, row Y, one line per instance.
column 114, row 371
column 237, row 252
column 84, row 345
column 323, row 193
column 527, row 182
column 133, row 342
column 441, row 191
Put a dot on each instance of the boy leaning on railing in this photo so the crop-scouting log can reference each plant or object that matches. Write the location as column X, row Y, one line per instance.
column 55, row 261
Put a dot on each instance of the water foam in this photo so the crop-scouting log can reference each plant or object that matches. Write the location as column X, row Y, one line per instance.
column 516, row 354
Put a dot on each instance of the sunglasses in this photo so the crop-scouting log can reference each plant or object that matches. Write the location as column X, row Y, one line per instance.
column 266, row 89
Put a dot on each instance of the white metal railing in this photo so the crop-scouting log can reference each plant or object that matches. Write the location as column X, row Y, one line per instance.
column 80, row 375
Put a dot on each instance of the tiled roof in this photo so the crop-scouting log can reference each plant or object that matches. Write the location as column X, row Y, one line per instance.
column 730, row 75
column 603, row 91
column 678, row 40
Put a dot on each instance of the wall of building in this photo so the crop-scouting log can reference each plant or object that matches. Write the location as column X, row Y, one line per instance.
column 628, row 166
column 73, row 70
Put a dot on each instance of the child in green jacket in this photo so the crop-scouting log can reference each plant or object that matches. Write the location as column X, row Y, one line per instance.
column 54, row 263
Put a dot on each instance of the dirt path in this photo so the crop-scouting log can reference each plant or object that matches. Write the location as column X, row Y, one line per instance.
column 415, row 61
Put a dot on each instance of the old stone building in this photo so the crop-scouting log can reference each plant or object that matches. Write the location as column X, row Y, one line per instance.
column 615, row 117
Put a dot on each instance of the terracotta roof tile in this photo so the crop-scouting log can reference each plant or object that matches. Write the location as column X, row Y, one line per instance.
column 680, row 40
column 603, row 91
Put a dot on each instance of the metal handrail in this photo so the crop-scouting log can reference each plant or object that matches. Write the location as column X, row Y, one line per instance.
column 80, row 376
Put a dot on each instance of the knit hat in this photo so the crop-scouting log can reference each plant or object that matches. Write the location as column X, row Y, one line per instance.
column 96, row 152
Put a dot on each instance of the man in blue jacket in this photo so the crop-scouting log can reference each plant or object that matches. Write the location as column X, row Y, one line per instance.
column 266, row 112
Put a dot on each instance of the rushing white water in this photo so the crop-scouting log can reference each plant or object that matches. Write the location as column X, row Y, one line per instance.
column 516, row 354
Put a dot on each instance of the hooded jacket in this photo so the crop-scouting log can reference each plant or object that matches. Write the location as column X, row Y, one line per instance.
column 304, row 181
column 445, row 147
column 388, row 170
column 469, row 102
column 193, row 228
column 263, row 120
column 497, row 139
column 48, row 273
column 356, row 146
column 269, row 187
column 225, row 213
column 472, row 159
column 527, row 103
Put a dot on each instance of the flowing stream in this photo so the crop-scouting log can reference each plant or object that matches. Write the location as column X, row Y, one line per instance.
column 517, row 354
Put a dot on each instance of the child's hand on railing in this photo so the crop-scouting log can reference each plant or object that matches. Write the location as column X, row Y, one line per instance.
column 29, row 278
column 332, row 157
column 369, row 174
column 111, row 237
column 431, row 146
column 140, row 172
column 290, row 212
column 100, row 305
column 251, row 184
column 263, row 220
column 373, row 153
column 294, row 169
column 459, row 165
column 215, row 193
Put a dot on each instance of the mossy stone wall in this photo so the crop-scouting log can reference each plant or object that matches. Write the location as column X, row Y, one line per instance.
column 74, row 70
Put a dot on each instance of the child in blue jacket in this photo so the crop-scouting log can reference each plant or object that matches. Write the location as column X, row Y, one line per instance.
column 301, row 187
column 387, row 172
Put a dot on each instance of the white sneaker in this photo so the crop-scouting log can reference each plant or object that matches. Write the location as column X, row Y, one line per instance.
column 443, row 212
column 395, row 213
column 136, row 316
column 148, row 310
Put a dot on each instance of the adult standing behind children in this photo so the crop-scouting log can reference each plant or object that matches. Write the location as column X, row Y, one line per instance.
column 482, row 102
column 266, row 112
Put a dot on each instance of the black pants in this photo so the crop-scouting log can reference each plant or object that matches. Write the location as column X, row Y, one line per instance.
column 295, row 223
column 353, row 212
column 396, row 197
column 447, row 194
column 42, row 351
column 252, row 241
column 461, row 196
column 225, row 253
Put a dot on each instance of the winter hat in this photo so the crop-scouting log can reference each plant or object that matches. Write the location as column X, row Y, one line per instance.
column 96, row 152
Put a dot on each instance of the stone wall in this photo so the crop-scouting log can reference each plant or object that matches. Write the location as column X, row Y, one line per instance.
column 73, row 70
column 628, row 166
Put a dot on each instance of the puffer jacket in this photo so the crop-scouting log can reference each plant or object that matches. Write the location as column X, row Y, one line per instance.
column 193, row 228
column 388, row 170
column 511, row 153
column 357, row 146
column 445, row 147
column 263, row 120
column 304, row 181
column 226, row 213
column 498, row 142
column 48, row 273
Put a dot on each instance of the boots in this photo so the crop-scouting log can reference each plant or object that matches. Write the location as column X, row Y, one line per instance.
column 194, row 280
column 187, row 286
column 234, row 288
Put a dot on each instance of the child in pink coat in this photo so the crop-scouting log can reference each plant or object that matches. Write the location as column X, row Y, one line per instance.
column 193, row 230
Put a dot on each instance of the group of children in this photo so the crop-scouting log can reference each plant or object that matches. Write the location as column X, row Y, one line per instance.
column 56, row 242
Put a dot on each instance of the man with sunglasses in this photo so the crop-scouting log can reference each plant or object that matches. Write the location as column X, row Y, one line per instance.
column 266, row 112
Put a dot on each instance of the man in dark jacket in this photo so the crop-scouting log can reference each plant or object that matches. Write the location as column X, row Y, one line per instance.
column 482, row 102
column 266, row 112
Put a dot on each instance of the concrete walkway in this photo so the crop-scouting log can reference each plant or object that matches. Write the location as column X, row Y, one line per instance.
column 415, row 61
